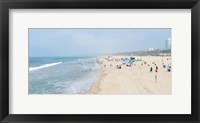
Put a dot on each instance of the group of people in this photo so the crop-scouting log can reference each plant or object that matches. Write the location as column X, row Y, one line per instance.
column 151, row 69
column 119, row 66
column 164, row 66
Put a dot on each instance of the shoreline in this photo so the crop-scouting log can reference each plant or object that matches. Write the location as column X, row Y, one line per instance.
column 135, row 80
column 95, row 88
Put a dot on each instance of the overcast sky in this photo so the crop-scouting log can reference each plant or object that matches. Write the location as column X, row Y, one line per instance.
column 89, row 42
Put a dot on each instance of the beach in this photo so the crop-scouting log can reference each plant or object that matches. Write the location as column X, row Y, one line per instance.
column 117, row 77
column 107, row 61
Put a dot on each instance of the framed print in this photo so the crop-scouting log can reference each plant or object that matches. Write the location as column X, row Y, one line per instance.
column 99, row 61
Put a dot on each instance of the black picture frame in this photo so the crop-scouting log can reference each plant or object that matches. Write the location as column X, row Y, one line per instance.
column 5, row 5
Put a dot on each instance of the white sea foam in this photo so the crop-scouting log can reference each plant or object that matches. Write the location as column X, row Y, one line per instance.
column 43, row 66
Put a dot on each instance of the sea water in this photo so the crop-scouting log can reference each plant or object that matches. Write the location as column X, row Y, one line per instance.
column 61, row 75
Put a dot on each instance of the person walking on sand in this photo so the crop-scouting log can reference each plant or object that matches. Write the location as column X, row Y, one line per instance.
column 156, row 67
column 156, row 71
column 164, row 66
column 151, row 69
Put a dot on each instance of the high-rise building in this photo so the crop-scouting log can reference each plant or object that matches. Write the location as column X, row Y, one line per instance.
column 168, row 44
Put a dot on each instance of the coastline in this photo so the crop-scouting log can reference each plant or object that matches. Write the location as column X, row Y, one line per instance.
column 96, row 86
column 135, row 80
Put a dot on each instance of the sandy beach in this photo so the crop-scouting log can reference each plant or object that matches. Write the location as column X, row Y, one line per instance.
column 116, row 78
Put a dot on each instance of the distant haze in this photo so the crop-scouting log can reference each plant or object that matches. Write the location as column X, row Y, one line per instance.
column 93, row 42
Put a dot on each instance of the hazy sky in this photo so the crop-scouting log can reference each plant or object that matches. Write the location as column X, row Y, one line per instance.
column 87, row 42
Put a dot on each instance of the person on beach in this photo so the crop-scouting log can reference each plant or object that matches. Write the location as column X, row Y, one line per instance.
column 156, row 67
column 168, row 68
column 151, row 69
column 156, row 71
column 164, row 65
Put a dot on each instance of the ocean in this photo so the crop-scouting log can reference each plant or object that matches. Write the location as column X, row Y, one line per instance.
column 61, row 75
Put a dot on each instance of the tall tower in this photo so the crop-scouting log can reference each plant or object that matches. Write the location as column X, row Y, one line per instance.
column 168, row 44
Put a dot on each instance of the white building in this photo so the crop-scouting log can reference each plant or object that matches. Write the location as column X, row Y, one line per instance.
column 151, row 49
column 168, row 44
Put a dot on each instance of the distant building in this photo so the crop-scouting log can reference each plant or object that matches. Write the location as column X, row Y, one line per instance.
column 168, row 44
column 151, row 49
